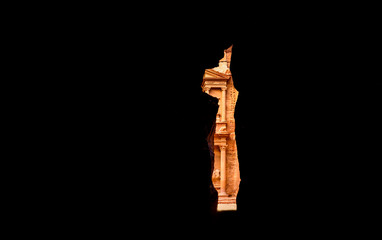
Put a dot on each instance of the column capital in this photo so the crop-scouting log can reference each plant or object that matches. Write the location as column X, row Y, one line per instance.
column 222, row 147
column 223, row 88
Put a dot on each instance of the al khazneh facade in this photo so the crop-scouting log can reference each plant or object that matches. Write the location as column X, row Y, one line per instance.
column 218, row 83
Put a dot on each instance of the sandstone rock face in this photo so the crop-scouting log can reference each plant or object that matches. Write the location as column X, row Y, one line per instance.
column 218, row 83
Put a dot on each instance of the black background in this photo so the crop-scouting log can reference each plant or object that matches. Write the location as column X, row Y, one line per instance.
column 111, row 123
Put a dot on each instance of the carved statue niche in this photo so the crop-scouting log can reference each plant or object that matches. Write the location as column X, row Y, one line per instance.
column 216, row 174
column 222, row 129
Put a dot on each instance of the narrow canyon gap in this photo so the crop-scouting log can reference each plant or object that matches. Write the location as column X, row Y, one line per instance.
column 218, row 83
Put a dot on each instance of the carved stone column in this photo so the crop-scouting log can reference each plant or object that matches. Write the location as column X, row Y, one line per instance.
column 223, row 177
column 223, row 103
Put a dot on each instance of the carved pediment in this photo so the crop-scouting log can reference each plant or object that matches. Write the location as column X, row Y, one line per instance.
column 212, row 74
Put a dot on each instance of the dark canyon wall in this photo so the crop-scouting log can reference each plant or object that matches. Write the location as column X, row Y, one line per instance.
column 121, row 122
